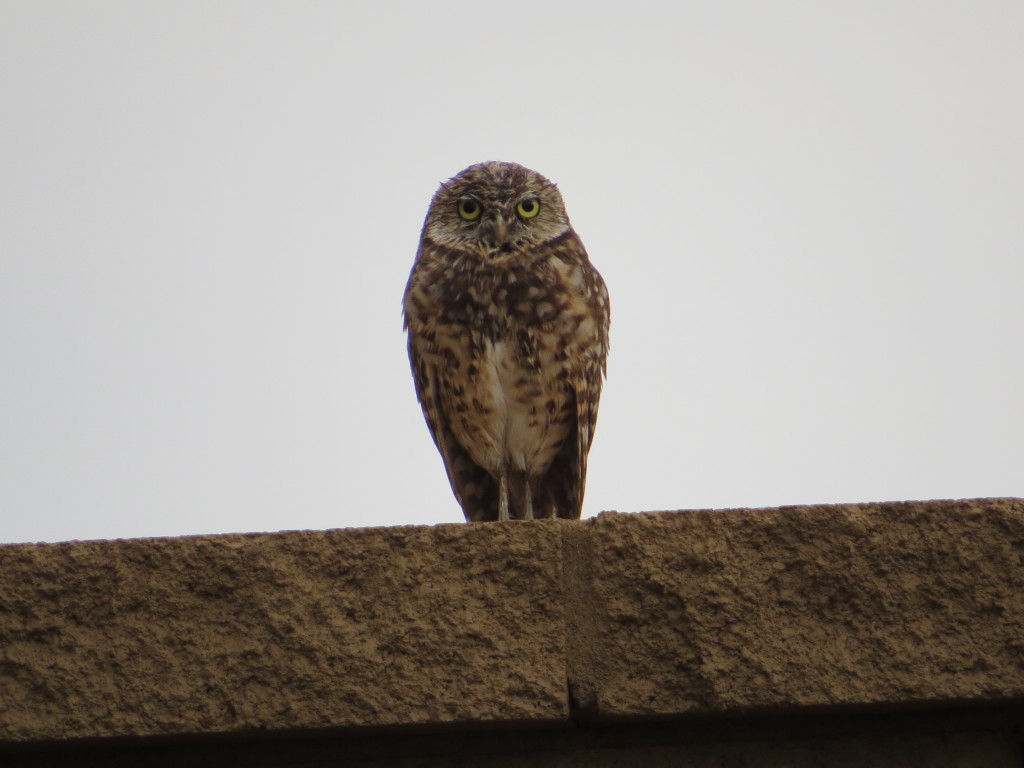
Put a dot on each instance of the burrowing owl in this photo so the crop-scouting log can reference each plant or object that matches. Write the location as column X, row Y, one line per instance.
column 508, row 336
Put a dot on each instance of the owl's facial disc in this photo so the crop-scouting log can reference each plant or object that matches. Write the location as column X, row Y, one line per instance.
column 501, row 225
column 496, row 208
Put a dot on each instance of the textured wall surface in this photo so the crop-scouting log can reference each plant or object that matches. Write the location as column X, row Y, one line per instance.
column 376, row 626
column 531, row 624
column 896, row 603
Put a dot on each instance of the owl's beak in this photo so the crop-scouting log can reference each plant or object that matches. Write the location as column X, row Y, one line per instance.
column 500, row 231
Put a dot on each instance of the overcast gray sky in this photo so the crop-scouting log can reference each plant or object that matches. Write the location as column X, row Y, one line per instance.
column 810, row 217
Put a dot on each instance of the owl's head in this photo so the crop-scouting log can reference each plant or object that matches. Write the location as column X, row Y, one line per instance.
column 494, row 208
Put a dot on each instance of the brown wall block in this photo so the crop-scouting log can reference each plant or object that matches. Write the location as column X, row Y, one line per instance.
column 809, row 606
column 226, row 633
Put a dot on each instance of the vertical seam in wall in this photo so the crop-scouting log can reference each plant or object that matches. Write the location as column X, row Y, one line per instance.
column 583, row 620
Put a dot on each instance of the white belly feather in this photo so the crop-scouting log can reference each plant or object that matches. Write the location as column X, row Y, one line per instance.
column 514, row 421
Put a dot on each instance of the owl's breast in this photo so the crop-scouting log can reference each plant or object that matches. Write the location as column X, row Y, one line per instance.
column 510, row 405
column 507, row 341
column 498, row 301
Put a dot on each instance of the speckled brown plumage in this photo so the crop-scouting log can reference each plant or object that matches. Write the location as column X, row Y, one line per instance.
column 508, row 337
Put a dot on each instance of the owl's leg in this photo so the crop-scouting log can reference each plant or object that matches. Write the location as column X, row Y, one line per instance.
column 527, row 499
column 503, row 496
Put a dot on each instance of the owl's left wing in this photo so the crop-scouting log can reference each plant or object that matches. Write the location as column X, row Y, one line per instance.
column 567, row 478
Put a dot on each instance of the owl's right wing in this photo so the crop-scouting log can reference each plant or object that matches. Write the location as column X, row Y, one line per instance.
column 474, row 487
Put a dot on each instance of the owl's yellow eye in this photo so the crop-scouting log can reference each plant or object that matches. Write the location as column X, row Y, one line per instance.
column 469, row 209
column 529, row 208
